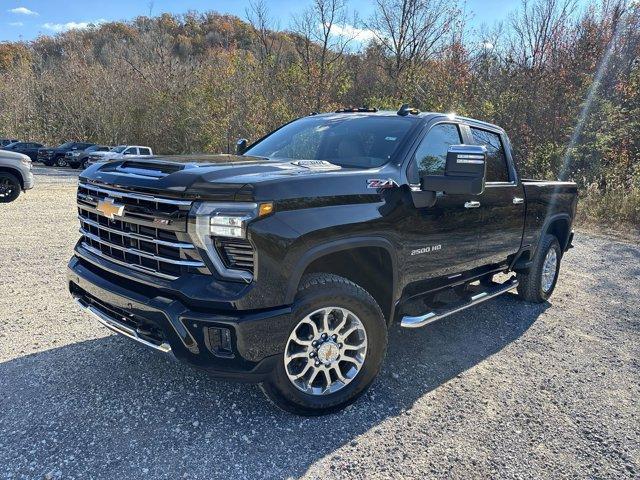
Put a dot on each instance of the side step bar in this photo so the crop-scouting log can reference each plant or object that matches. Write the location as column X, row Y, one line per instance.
column 434, row 316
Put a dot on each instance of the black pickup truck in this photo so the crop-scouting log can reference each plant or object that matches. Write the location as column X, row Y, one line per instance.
column 286, row 263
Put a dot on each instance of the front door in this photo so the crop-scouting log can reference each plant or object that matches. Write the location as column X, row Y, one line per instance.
column 441, row 240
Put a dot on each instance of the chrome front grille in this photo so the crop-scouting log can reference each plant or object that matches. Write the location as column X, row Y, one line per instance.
column 150, row 236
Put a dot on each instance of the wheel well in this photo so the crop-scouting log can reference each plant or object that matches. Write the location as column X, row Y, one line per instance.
column 15, row 173
column 560, row 229
column 369, row 267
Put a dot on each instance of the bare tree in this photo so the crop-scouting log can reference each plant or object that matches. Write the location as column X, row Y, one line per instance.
column 410, row 31
column 324, row 38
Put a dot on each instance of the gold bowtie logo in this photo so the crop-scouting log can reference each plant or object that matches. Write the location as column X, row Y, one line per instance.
column 109, row 208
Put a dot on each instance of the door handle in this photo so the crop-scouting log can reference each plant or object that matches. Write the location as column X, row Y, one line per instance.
column 472, row 204
column 518, row 200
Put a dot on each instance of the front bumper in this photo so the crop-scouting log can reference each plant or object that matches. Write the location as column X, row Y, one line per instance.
column 170, row 326
column 29, row 180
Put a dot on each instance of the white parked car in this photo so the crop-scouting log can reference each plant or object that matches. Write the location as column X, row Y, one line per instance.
column 15, row 175
column 120, row 152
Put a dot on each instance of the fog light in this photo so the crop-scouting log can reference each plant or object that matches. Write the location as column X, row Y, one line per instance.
column 218, row 340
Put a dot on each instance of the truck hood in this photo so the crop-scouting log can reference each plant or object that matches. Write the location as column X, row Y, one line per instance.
column 9, row 157
column 229, row 177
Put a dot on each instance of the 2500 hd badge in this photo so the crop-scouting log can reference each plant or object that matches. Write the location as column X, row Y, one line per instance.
column 285, row 263
column 430, row 249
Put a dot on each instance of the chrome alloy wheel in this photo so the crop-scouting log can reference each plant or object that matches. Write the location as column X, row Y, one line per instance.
column 325, row 351
column 549, row 268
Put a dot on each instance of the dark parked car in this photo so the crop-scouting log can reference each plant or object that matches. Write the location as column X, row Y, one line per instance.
column 78, row 158
column 30, row 149
column 6, row 141
column 56, row 156
column 287, row 263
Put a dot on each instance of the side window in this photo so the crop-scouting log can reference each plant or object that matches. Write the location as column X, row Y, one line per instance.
column 431, row 156
column 130, row 151
column 497, row 170
column 145, row 151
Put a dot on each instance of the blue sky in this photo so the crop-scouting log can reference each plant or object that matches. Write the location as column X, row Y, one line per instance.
column 26, row 19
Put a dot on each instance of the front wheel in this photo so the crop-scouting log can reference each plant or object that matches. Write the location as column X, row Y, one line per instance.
column 9, row 187
column 537, row 284
column 334, row 351
column 62, row 162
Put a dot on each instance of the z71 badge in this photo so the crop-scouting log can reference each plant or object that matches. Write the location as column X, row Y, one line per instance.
column 381, row 183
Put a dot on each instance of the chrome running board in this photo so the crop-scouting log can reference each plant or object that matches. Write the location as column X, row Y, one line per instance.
column 118, row 327
column 435, row 315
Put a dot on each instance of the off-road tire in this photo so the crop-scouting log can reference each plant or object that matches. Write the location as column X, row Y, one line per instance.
column 530, row 282
column 317, row 291
column 13, row 183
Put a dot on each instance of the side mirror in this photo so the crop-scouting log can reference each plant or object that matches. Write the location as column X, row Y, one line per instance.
column 241, row 146
column 464, row 174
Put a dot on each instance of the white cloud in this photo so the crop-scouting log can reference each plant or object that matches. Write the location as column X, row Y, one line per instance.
column 16, row 24
column 22, row 11
column 63, row 27
column 362, row 35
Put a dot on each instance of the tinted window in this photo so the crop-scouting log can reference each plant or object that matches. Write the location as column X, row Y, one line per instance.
column 145, row 151
column 497, row 170
column 431, row 155
column 351, row 140
column 66, row 145
column 119, row 148
column 130, row 151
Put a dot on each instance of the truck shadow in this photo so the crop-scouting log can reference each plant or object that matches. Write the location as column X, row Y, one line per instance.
column 118, row 409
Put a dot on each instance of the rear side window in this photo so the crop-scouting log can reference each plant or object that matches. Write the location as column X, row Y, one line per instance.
column 497, row 170
column 431, row 156
column 145, row 151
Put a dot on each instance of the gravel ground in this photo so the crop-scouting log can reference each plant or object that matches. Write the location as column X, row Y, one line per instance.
column 505, row 390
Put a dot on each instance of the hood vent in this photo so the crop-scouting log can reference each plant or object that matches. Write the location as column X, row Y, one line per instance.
column 148, row 169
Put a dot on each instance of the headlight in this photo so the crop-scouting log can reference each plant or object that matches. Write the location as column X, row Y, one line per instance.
column 230, row 220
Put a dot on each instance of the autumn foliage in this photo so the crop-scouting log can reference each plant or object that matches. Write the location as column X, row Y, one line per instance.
column 563, row 81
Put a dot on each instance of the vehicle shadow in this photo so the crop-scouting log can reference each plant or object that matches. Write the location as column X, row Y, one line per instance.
column 107, row 407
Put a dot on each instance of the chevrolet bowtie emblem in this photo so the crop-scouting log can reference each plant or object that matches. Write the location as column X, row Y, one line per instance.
column 109, row 208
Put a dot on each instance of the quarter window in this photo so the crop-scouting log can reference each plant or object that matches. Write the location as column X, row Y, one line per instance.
column 431, row 155
column 497, row 170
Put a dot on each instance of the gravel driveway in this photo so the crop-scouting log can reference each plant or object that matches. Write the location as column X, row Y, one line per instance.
column 505, row 390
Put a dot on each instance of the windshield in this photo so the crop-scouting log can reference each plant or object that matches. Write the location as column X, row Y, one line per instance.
column 119, row 148
column 66, row 145
column 11, row 145
column 361, row 141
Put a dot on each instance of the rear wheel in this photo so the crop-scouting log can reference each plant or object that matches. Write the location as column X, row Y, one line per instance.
column 537, row 284
column 334, row 351
column 9, row 187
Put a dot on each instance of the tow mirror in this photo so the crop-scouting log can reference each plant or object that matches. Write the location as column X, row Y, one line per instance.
column 241, row 146
column 464, row 174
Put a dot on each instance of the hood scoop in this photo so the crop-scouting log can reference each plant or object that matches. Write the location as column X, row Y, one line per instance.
column 316, row 165
column 144, row 168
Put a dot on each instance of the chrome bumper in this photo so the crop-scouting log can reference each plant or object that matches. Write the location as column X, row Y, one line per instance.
column 117, row 327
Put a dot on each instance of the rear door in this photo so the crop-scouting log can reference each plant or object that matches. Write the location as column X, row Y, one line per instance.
column 502, row 207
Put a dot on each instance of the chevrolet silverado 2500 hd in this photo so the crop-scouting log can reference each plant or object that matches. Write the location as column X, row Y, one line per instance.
column 285, row 263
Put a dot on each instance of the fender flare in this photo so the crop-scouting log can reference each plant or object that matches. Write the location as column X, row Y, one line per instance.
column 15, row 172
column 547, row 223
column 336, row 246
